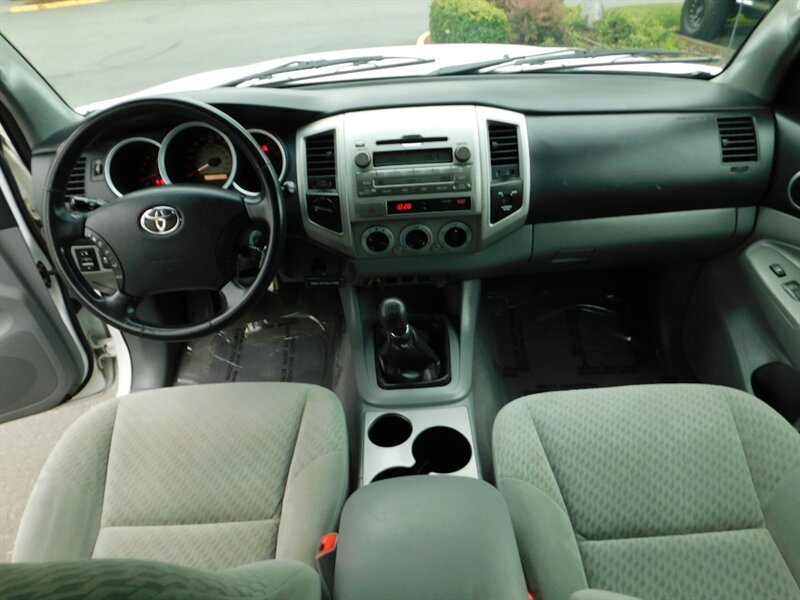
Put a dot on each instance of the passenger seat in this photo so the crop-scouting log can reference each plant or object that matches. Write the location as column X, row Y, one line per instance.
column 653, row 491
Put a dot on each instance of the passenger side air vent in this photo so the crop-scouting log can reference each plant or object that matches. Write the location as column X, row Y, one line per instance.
column 321, row 161
column 737, row 137
column 76, row 184
column 505, row 189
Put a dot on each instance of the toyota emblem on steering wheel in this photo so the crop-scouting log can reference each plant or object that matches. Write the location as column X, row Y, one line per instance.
column 160, row 220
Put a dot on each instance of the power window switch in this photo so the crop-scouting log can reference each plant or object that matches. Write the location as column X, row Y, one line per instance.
column 793, row 289
column 778, row 270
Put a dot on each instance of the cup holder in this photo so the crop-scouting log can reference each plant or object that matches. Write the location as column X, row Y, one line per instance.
column 435, row 450
column 389, row 430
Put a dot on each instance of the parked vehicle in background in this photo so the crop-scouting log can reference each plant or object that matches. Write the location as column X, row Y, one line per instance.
column 705, row 19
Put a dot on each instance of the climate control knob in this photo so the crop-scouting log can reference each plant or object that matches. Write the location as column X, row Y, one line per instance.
column 455, row 235
column 377, row 240
column 416, row 237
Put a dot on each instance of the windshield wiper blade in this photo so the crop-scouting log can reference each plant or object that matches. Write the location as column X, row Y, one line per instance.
column 361, row 63
column 477, row 67
column 572, row 54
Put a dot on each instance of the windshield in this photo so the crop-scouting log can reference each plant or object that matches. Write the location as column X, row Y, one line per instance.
column 93, row 50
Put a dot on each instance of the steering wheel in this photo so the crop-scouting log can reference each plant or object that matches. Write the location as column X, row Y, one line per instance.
column 165, row 238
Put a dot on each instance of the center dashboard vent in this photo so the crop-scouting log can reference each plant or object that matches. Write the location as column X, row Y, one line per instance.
column 504, row 149
column 321, row 161
column 76, row 184
column 737, row 138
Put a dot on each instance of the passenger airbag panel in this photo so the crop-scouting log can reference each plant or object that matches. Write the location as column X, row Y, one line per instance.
column 585, row 166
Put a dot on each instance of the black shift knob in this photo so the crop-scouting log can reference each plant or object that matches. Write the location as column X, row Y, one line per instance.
column 393, row 316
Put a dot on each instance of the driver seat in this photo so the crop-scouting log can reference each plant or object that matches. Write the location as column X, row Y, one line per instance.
column 210, row 477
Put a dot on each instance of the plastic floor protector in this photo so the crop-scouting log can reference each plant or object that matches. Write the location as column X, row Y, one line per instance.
column 272, row 347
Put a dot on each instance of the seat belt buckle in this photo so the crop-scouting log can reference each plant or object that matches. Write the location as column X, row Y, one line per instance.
column 326, row 561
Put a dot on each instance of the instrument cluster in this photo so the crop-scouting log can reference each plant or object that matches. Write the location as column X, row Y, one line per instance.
column 189, row 153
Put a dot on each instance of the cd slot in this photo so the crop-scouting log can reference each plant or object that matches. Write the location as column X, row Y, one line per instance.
column 410, row 139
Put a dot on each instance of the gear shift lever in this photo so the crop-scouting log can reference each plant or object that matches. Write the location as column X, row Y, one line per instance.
column 404, row 356
column 394, row 316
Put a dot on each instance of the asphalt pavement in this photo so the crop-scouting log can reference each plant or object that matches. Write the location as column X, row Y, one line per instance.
column 104, row 49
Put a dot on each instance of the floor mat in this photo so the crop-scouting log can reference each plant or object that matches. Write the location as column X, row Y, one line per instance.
column 556, row 340
column 274, row 342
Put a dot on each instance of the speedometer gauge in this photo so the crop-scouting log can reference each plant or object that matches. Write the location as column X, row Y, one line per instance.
column 197, row 153
column 132, row 165
column 246, row 180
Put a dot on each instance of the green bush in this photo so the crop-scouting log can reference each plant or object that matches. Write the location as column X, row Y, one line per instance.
column 536, row 22
column 619, row 30
column 466, row 21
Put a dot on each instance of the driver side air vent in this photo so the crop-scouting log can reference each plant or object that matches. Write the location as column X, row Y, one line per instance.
column 321, row 161
column 737, row 137
column 503, row 149
column 76, row 184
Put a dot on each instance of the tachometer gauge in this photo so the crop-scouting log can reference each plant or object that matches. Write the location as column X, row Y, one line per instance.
column 246, row 181
column 132, row 165
column 197, row 153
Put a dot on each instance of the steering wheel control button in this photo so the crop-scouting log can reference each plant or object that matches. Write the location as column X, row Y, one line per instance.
column 455, row 235
column 161, row 220
column 416, row 237
column 377, row 240
column 325, row 211
column 463, row 154
column 505, row 198
column 86, row 259
column 362, row 160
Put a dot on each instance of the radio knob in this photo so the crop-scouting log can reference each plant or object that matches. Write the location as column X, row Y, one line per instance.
column 362, row 160
column 416, row 239
column 463, row 154
column 377, row 241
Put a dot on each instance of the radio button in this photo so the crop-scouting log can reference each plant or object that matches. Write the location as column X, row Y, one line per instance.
column 372, row 209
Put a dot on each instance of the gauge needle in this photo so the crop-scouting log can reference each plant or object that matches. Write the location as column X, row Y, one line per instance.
column 148, row 177
column 213, row 162
column 198, row 170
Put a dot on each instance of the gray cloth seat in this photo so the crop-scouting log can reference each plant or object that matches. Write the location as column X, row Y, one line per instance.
column 144, row 580
column 210, row 477
column 661, row 491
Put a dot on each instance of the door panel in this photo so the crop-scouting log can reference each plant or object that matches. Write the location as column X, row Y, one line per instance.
column 742, row 318
column 41, row 362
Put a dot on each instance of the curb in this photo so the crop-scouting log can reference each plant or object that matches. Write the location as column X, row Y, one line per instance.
column 36, row 5
column 424, row 38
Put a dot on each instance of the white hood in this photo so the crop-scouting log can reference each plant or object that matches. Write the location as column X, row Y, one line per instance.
column 443, row 55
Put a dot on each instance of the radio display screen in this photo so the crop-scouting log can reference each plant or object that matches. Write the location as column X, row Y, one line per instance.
column 399, row 207
column 412, row 157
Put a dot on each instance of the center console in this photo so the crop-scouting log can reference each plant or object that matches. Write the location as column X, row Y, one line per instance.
column 399, row 194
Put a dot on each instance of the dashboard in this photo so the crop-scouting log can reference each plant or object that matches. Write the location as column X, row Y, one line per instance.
column 400, row 180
